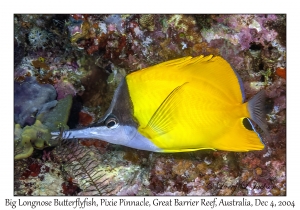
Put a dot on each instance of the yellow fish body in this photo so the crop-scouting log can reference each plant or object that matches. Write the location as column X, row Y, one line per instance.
column 181, row 105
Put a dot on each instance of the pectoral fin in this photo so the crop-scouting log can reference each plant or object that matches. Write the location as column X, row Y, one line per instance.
column 163, row 119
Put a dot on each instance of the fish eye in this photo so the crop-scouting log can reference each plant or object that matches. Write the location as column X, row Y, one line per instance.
column 111, row 122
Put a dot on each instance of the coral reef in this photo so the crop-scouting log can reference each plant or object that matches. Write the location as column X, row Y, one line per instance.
column 86, row 56
column 40, row 178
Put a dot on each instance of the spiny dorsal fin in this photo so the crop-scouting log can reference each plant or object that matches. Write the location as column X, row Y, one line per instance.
column 162, row 120
column 188, row 60
column 213, row 70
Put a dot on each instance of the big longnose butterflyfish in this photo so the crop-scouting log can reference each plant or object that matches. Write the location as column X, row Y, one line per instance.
column 181, row 105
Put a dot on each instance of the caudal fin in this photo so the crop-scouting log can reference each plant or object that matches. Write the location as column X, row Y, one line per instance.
column 257, row 110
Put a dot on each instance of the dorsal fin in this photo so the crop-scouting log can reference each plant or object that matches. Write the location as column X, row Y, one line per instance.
column 211, row 70
column 162, row 121
column 217, row 72
column 180, row 61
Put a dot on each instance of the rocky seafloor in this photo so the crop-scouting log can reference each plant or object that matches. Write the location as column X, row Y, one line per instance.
column 85, row 56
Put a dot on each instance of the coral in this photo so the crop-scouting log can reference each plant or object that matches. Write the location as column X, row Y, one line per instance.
column 98, row 144
column 203, row 21
column 40, row 64
column 50, row 118
column 242, row 30
column 281, row 72
column 64, row 88
column 36, row 135
column 40, row 178
column 58, row 115
column 147, row 22
column 29, row 98
column 70, row 188
column 38, row 38
column 85, row 118
column 78, row 32
column 22, row 78
column 132, row 190
column 116, row 21
column 181, row 169
column 42, row 72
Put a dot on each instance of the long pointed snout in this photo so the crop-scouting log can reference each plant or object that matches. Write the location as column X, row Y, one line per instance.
column 118, row 135
column 100, row 132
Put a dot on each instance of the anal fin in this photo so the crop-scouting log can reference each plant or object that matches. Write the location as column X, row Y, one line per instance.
column 241, row 137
